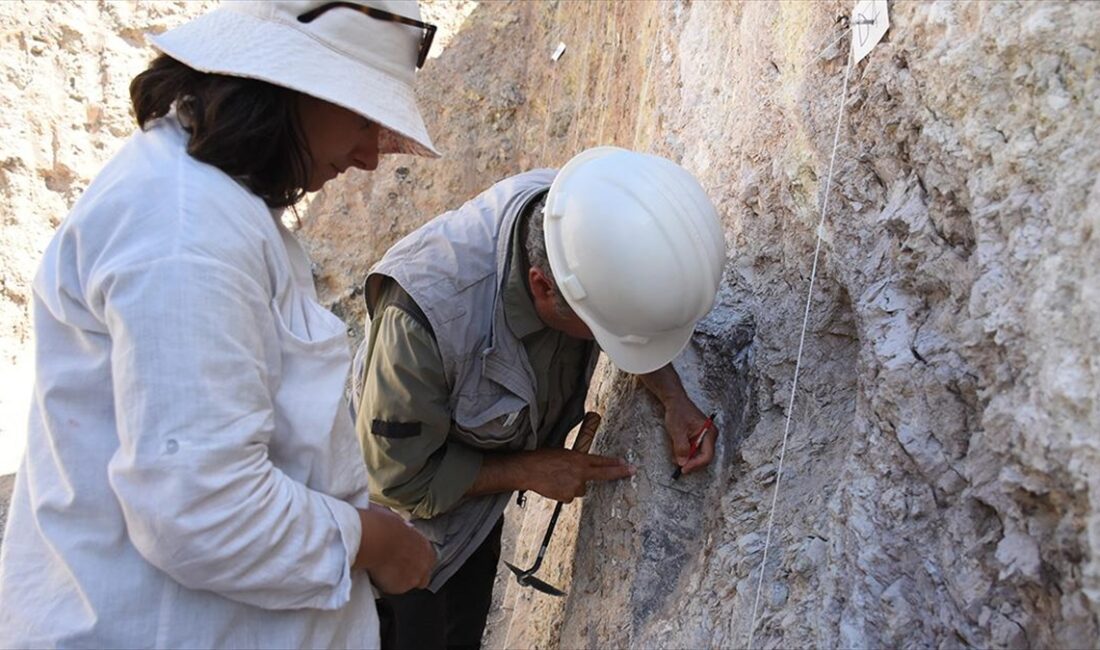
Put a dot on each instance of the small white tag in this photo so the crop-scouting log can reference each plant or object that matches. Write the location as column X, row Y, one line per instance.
column 511, row 419
column 558, row 52
column 869, row 23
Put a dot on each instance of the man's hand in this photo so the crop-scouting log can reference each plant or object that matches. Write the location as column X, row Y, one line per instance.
column 683, row 420
column 563, row 474
column 397, row 557
column 559, row 474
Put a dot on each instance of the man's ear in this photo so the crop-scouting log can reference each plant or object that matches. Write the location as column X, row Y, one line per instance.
column 542, row 288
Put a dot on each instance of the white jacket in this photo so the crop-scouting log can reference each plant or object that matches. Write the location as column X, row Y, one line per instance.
column 190, row 457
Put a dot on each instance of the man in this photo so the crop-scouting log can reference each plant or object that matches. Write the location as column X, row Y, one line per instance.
column 484, row 330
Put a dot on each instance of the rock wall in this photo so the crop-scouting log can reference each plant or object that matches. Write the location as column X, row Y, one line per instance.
column 938, row 483
column 939, row 480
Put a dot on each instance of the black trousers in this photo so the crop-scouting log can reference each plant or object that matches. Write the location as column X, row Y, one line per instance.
column 453, row 617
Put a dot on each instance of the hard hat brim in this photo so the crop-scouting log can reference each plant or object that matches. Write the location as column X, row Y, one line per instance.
column 642, row 358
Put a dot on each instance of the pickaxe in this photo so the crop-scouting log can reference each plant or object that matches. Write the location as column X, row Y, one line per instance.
column 527, row 578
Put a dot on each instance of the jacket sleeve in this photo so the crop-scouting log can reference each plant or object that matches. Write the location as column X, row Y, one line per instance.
column 201, row 499
column 404, row 421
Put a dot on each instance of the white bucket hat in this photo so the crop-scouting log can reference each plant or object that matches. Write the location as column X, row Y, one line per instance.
column 345, row 57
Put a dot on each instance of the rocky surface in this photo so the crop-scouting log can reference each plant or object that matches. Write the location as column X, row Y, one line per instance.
column 937, row 486
column 938, row 481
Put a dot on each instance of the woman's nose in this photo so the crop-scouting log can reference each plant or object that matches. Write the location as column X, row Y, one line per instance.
column 365, row 154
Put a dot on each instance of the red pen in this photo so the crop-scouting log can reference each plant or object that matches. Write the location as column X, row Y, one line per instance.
column 697, row 441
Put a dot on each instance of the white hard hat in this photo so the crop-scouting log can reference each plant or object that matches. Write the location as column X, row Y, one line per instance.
column 636, row 250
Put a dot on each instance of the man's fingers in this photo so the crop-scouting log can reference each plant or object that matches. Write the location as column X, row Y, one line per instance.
column 595, row 460
column 704, row 455
column 608, row 473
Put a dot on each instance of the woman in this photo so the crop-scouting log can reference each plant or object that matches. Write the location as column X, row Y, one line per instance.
column 192, row 476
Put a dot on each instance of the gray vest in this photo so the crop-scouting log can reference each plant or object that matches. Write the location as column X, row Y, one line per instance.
column 454, row 268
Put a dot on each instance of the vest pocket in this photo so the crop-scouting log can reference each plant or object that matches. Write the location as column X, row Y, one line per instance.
column 492, row 421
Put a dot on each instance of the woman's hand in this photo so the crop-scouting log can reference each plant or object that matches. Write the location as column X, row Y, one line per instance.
column 397, row 557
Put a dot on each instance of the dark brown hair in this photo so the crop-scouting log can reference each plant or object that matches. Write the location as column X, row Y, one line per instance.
column 247, row 128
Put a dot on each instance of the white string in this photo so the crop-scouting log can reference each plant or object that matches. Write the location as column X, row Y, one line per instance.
column 843, row 33
column 801, row 344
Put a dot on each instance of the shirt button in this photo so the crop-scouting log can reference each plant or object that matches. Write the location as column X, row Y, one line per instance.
column 172, row 446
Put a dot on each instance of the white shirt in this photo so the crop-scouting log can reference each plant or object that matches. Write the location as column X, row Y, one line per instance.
column 191, row 462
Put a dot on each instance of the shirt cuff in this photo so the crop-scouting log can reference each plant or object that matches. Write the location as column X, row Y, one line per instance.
column 453, row 477
column 351, row 533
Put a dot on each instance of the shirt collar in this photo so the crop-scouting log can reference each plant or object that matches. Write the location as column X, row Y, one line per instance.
column 519, row 309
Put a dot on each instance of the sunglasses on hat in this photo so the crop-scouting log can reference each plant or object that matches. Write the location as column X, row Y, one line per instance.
column 379, row 14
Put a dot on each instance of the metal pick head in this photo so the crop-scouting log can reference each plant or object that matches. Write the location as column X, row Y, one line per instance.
column 527, row 580
column 516, row 570
column 544, row 587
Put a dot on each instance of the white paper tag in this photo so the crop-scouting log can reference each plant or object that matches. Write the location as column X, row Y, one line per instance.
column 869, row 23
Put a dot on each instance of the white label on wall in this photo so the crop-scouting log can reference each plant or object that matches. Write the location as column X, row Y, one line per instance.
column 869, row 23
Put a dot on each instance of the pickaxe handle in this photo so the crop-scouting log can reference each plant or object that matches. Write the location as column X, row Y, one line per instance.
column 546, row 538
column 587, row 433
column 583, row 442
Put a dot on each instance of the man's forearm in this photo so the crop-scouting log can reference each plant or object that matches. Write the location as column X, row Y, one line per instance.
column 500, row 473
column 559, row 474
column 683, row 419
column 664, row 383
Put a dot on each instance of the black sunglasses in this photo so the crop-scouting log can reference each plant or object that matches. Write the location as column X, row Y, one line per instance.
column 379, row 14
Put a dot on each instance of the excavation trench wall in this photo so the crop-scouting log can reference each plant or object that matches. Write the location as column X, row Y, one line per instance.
column 938, row 485
column 938, row 482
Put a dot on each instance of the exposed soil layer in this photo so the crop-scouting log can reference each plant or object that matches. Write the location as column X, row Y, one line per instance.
column 937, row 486
column 938, row 481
